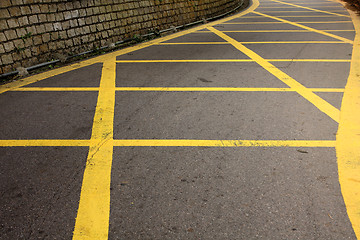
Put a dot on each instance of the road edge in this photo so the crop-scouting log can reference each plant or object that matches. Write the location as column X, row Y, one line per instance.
column 348, row 135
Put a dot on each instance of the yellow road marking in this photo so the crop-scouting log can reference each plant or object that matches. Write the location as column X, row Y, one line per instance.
column 232, row 60
column 106, row 57
column 92, row 221
column 221, row 143
column 294, row 7
column 320, row 103
column 252, row 23
column 327, row 22
column 271, row 31
column 173, row 89
column 312, row 9
column 307, row 28
column 45, row 143
column 270, row 42
column 280, row 11
column 292, row 16
column 348, row 136
column 171, row 143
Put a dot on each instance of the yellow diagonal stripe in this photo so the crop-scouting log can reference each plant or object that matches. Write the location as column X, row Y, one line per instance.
column 312, row 9
column 320, row 103
column 306, row 27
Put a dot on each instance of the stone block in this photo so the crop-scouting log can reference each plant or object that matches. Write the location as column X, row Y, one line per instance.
column 74, row 23
column 33, row 19
column 44, row 48
column 37, row 40
column 5, row 3
column 12, row 23
column 35, row 9
column 2, row 49
column 44, row 8
column 89, row 11
column 7, row 59
column 71, row 33
column 14, row 11
column 42, row 18
column 81, row 21
column 51, row 17
column 69, row 43
column 3, row 25
column 46, row 37
column 88, row 21
column 21, row 32
column 67, row 15
column 9, row 46
column 10, row 34
column 40, row 29
column 54, row 36
column 31, row 29
column 23, row 21
column 59, row 17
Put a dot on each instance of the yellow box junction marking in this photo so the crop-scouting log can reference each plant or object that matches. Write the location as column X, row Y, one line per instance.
column 317, row 101
column 312, row 9
column 232, row 60
column 307, row 28
column 172, row 89
column 269, row 42
column 93, row 214
column 106, row 57
column 92, row 221
column 348, row 136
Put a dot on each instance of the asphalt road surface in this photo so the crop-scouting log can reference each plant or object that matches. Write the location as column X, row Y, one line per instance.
column 223, row 131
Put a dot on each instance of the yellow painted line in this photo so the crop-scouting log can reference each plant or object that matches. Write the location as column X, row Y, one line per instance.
column 44, row 143
column 292, row 16
column 106, row 57
column 184, row 61
column 92, row 221
column 269, row 42
column 280, row 11
column 233, row 60
column 272, row 31
column 176, row 89
column 312, row 9
column 221, row 143
column 252, row 23
column 348, row 136
column 172, row 143
column 307, row 28
column 339, row 90
column 55, row 89
column 327, row 22
column 194, row 43
column 318, row 102
column 294, row 7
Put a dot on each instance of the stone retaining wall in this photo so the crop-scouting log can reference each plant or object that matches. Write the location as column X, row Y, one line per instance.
column 35, row 31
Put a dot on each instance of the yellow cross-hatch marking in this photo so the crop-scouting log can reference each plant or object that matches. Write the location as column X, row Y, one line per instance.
column 312, row 9
column 320, row 103
column 172, row 89
column 92, row 221
column 348, row 137
column 269, row 42
column 232, row 60
column 306, row 27
column 166, row 143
